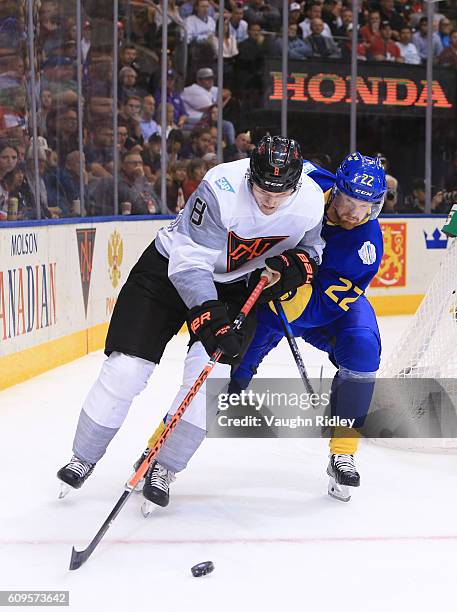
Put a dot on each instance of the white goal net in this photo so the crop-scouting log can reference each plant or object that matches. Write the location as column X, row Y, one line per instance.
column 428, row 347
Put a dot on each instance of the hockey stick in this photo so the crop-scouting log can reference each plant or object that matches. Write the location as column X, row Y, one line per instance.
column 80, row 557
column 293, row 345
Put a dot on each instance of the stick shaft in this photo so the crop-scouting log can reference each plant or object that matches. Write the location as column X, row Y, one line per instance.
column 293, row 346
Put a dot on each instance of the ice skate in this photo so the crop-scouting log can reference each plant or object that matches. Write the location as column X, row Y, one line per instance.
column 74, row 475
column 343, row 474
column 156, row 487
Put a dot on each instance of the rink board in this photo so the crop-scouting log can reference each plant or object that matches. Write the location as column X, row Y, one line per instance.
column 59, row 282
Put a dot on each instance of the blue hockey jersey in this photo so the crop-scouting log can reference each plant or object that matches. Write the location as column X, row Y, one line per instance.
column 351, row 259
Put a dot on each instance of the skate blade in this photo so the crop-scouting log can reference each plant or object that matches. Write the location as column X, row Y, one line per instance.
column 337, row 491
column 147, row 508
column 64, row 490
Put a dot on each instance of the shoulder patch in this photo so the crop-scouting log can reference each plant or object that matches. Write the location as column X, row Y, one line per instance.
column 367, row 253
column 224, row 184
column 308, row 167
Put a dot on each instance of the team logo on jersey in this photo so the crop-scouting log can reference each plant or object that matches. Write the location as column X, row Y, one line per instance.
column 367, row 253
column 308, row 167
column 115, row 257
column 242, row 250
column 224, row 185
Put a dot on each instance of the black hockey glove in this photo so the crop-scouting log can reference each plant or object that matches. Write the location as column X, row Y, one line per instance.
column 211, row 324
column 296, row 268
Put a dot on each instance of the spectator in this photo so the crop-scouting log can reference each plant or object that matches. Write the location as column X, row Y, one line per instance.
column 414, row 203
column 448, row 56
column 408, row 50
column 128, row 84
column 210, row 160
column 444, row 31
column 229, row 46
column 86, row 40
column 388, row 13
column 174, row 98
column 346, row 23
column 133, row 187
column 266, row 15
column 8, row 160
column 59, row 78
column 200, row 26
column 176, row 27
column 68, row 177
column 175, row 180
column 99, row 151
column 43, row 111
column 200, row 144
column 240, row 149
column 130, row 116
column 238, row 26
column 171, row 125
column 371, row 29
column 28, row 188
column 200, row 96
column 196, row 170
column 420, row 40
column 144, row 27
column 151, row 157
column 297, row 47
column 314, row 11
column 187, row 8
column 148, row 125
column 65, row 138
column 175, row 142
column 320, row 45
column 250, row 65
column 331, row 15
column 383, row 48
column 128, row 57
column 14, row 184
column 122, row 139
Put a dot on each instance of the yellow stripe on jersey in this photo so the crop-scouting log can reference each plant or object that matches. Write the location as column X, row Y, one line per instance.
column 296, row 305
column 156, row 435
column 342, row 444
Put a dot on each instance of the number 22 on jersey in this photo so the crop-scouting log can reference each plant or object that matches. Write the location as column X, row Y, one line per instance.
column 334, row 291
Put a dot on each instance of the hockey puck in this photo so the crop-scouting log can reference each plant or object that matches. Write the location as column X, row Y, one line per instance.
column 201, row 569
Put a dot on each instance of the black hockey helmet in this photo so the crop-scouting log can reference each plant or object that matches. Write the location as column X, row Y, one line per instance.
column 276, row 164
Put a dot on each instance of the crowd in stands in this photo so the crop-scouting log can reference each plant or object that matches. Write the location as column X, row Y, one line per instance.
column 389, row 30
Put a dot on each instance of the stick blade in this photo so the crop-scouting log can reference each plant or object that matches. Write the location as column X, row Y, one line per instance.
column 78, row 557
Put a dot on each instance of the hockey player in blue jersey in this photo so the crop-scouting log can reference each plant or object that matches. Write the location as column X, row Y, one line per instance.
column 333, row 313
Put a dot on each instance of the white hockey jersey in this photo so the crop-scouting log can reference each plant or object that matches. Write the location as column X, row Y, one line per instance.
column 222, row 235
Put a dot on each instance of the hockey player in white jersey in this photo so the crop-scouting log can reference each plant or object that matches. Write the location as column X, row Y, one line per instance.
column 245, row 215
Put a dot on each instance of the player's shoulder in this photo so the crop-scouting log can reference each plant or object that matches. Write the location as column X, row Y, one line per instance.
column 323, row 178
column 226, row 179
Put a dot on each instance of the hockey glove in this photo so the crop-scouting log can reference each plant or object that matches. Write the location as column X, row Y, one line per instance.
column 296, row 268
column 211, row 324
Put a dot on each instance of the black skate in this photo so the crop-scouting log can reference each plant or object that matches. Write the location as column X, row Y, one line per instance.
column 139, row 485
column 74, row 474
column 156, row 487
column 343, row 474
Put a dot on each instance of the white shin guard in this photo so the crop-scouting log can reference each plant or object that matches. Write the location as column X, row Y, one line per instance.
column 121, row 379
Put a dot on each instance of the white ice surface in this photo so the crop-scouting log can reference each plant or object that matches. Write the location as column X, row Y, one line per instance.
column 257, row 508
